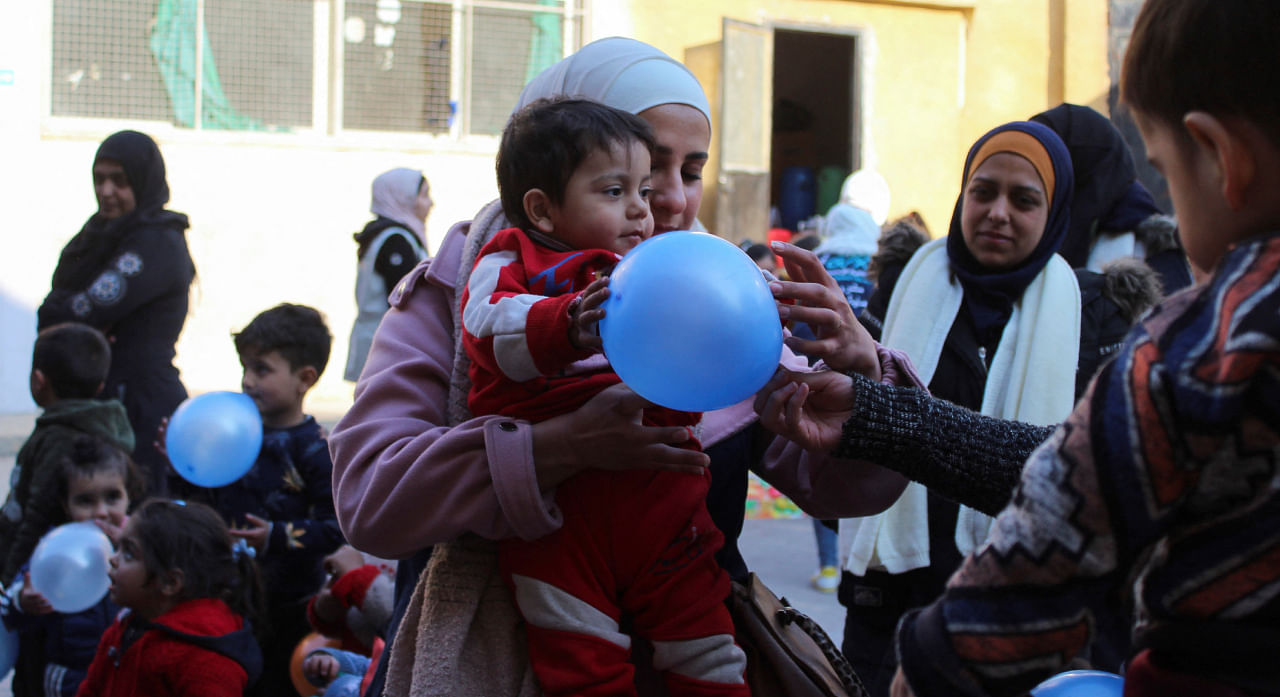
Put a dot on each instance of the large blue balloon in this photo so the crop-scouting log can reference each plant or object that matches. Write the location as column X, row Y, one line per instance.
column 69, row 566
column 8, row 650
column 1081, row 683
column 214, row 438
column 690, row 323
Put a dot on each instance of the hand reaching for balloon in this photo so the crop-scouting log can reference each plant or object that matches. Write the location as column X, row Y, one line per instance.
column 807, row 408
column 256, row 533
column 30, row 599
column 585, row 315
column 610, row 423
column 842, row 342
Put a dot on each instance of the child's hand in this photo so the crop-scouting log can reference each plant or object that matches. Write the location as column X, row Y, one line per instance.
column 345, row 558
column 30, row 599
column 586, row 313
column 112, row 526
column 257, row 534
column 320, row 669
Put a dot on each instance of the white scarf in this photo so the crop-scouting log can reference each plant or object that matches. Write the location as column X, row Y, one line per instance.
column 1031, row 379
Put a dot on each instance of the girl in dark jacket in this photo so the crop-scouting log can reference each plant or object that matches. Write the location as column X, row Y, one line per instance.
column 127, row 273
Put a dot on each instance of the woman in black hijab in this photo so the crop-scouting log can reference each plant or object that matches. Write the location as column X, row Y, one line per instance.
column 1112, row 215
column 127, row 272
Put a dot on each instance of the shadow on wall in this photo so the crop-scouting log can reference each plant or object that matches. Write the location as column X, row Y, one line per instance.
column 17, row 334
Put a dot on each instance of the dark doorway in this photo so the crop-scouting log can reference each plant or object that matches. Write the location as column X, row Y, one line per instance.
column 815, row 115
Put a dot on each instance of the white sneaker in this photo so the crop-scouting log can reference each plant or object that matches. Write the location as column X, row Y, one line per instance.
column 827, row 579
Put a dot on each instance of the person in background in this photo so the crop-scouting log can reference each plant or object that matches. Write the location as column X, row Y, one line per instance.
column 1113, row 216
column 91, row 482
column 192, row 598
column 69, row 365
column 994, row 321
column 388, row 247
column 127, row 273
column 283, row 506
column 763, row 257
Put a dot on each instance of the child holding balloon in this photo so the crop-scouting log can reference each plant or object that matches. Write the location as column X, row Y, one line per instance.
column 92, row 482
column 69, row 365
column 283, row 506
column 191, row 595
column 573, row 175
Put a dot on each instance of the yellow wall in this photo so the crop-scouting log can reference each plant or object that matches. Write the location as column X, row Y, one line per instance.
column 937, row 74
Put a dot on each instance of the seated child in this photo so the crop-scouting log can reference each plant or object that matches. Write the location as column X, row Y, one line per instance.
column 69, row 364
column 573, row 177
column 283, row 506
column 92, row 482
column 191, row 594
column 354, row 605
column 1160, row 494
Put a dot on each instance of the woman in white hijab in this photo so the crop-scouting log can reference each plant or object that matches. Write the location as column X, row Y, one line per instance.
column 387, row 248
column 412, row 468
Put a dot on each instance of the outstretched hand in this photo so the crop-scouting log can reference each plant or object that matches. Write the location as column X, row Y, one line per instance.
column 607, row 432
column 586, row 314
column 842, row 342
column 807, row 408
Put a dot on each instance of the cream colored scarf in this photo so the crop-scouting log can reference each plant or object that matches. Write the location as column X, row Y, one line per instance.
column 461, row 635
column 1031, row 379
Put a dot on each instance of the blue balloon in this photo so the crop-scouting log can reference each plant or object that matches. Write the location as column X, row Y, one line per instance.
column 214, row 438
column 1081, row 683
column 69, row 566
column 8, row 650
column 690, row 323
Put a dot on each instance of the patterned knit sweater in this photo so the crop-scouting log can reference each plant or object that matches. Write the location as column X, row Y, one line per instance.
column 1160, row 494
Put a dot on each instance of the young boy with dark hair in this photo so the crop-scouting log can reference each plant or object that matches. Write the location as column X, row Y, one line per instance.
column 573, row 176
column 69, row 365
column 1160, row 495
column 283, row 507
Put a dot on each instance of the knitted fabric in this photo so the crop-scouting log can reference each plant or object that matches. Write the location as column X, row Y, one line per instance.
column 959, row 453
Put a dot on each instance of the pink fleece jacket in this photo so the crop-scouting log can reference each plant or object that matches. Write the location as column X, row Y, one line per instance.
column 403, row 480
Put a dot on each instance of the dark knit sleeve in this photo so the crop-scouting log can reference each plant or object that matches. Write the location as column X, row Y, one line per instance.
column 969, row 458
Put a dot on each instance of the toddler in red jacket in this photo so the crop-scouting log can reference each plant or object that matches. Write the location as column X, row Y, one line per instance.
column 636, row 547
column 188, row 593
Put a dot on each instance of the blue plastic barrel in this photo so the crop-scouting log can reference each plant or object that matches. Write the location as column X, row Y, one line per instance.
column 798, row 197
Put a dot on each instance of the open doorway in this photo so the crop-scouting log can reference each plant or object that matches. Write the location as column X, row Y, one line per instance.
column 814, row 140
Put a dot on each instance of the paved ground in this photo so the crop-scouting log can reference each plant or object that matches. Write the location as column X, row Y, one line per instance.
column 782, row 552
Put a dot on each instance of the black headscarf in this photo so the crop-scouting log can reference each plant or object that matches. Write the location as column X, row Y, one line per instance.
column 1109, row 197
column 83, row 257
column 990, row 294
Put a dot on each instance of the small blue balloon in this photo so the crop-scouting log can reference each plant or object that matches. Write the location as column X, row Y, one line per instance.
column 69, row 566
column 214, row 438
column 8, row 651
column 690, row 323
column 1081, row 683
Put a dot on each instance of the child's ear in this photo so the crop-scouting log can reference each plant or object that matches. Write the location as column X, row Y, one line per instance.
column 537, row 207
column 1229, row 150
column 308, row 375
column 172, row 582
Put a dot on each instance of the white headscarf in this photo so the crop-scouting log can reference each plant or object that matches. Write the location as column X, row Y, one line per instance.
column 867, row 190
column 623, row 73
column 395, row 195
column 849, row 232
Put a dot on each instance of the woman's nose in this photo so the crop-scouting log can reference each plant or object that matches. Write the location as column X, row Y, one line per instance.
column 667, row 196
